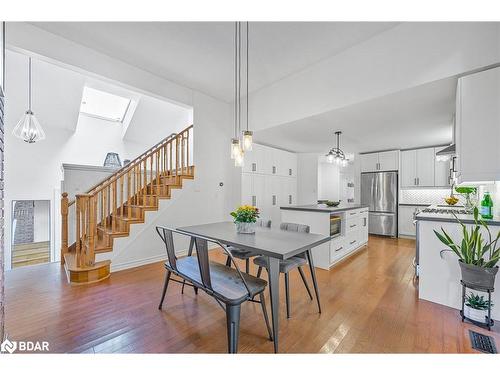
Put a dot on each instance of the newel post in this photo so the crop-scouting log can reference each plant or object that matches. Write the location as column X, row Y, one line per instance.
column 64, row 225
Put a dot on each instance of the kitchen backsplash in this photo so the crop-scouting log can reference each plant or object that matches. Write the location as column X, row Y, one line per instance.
column 423, row 196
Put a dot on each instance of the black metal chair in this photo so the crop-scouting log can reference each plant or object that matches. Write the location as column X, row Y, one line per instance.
column 287, row 265
column 247, row 254
column 230, row 287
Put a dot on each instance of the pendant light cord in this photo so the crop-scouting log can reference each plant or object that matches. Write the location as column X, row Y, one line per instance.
column 239, row 77
column 235, row 79
column 29, row 84
column 247, row 74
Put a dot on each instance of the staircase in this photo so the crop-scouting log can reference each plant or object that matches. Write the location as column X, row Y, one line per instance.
column 108, row 209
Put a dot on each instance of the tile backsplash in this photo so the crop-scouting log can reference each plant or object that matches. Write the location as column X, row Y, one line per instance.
column 423, row 196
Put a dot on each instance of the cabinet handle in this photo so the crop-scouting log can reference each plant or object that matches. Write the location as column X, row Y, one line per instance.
column 289, row 199
column 415, row 181
column 290, row 172
column 352, row 226
column 340, row 248
column 254, row 167
column 352, row 213
column 274, row 200
column 254, row 200
column 364, row 221
column 350, row 243
column 274, row 169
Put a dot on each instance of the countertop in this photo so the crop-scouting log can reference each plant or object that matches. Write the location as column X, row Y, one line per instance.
column 468, row 218
column 324, row 207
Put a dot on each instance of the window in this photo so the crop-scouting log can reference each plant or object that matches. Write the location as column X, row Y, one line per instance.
column 103, row 105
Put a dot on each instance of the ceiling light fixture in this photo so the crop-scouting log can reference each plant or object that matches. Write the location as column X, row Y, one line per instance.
column 336, row 154
column 242, row 141
column 28, row 128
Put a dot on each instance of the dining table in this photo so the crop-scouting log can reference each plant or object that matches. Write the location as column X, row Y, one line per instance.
column 273, row 243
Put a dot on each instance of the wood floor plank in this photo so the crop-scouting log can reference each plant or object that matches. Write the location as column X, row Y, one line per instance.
column 370, row 305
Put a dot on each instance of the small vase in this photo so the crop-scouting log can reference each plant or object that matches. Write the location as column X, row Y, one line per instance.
column 247, row 228
column 475, row 314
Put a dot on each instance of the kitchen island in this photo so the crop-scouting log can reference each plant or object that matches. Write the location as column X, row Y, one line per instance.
column 346, row 224
column 439, row 277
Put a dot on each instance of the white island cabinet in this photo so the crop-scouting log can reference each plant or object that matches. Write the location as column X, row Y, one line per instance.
column 353, row 231
column 439, row 276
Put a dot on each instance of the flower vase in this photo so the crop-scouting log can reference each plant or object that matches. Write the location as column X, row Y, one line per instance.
column 247, row 228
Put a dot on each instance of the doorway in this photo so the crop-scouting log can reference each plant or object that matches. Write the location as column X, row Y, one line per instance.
column 30, row 232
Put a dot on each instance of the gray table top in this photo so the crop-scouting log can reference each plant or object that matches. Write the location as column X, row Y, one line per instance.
column 272, row 242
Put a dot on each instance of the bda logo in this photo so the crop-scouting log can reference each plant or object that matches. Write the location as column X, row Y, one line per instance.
column 8, row 346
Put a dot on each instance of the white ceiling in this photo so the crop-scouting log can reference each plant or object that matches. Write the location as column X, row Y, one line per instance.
column 420, row 116
column 200, row 55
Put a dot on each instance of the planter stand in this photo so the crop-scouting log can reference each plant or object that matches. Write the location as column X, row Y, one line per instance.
column 490, row 321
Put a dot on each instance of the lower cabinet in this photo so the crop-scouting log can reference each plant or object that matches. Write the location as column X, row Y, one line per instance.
column 354, row 236
column 405, row 220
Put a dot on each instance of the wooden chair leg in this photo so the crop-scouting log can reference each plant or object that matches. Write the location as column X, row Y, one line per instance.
column 305, row 282
column 287, row 295
column 247, row 265
column 165, row 286
column 266, row 318
column 233, row 327
column 259, row 271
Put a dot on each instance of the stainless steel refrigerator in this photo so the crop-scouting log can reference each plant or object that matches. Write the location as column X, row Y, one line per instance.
column 379, row 190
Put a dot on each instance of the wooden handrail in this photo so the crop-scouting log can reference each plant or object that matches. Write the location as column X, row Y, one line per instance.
column 137, row 183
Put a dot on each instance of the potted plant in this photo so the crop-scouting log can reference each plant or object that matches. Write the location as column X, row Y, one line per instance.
column 245, row 218
column 469, row 193
column 475, row 307
column 477, row 256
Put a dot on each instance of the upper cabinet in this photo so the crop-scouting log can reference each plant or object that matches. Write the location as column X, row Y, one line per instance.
column 420, row 168
column 270, row 161
column 380, row 161
column 477, row 129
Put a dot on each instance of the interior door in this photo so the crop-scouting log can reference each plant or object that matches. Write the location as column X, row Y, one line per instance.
column 425, row 167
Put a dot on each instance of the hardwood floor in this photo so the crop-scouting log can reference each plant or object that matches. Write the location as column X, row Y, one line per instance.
column 369, row 301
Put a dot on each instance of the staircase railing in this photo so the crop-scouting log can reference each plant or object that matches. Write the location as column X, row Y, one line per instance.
column 131, row 185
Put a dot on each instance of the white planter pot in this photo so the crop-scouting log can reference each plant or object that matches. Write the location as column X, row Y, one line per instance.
column 476, row 315
column 248, row 228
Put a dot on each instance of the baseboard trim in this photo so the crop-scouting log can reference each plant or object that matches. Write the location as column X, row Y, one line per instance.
column 145, row 261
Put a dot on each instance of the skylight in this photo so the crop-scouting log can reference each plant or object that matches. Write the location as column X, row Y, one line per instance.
column 103, row 105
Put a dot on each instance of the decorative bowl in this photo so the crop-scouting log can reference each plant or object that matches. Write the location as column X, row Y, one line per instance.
column 332, row 203
column 451, row 200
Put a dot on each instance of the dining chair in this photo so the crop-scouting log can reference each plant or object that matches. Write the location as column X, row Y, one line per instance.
column 286, row 265
column 229, row 287
column 247, row 254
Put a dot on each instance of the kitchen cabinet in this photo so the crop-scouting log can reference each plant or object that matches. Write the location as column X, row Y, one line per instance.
column 380, row 161
column 417, row 167
column 441, row 171
column 270, row 161
column 405, row 220
column 477, row 131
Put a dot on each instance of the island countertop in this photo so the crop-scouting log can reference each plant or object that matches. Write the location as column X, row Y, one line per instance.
column 450, row 218
column 324, row 207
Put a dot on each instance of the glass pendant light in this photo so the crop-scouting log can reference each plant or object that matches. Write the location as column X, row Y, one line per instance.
column 330, row 157
column 235, row 147
column 247, row 134
column 239, row 160
column 28, row 128
column 336, row 154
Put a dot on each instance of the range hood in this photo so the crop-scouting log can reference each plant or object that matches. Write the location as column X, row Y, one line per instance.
column 451, row 149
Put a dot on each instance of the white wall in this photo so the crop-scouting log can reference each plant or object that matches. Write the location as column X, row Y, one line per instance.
column 328, row 181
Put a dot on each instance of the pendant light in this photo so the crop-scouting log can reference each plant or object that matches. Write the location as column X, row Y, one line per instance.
column 236, row 149
column 336, row 154
column 247, row 134
column 28, row 128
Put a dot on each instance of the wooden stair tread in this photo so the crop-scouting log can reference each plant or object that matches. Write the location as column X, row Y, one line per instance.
column 70, row 263
column 109, row 231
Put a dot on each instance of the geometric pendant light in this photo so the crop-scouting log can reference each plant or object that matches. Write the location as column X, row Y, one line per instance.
column 28, row 128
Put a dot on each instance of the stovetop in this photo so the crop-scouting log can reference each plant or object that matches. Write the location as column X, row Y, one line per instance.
column 457, row 211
